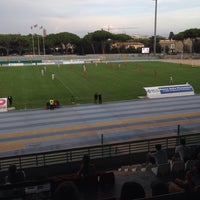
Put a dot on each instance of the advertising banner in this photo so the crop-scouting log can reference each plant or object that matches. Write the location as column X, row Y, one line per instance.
column 169, row 91
column 145, row 50
column 3, row 105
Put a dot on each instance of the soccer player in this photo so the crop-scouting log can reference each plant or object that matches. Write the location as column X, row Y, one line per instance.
column 52, row 76
column 171, row 79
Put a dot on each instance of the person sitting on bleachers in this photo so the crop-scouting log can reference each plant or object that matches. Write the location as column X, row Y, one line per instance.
column 159, row 187
column 132, row 190
column 191, row 182
column 87, row 168
column 56, row 104
column 159, row 157
column 14, row 175
column 66, row 190
column 51, row 102
column 47, row 105
column 197, row 157
column 182, row 152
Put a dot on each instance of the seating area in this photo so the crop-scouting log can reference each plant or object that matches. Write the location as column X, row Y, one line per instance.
column 102, row 186
column 171, row 169
column 26, row 190
column 105, row 184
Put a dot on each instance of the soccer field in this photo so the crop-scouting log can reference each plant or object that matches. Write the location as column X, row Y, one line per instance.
column 115, row 81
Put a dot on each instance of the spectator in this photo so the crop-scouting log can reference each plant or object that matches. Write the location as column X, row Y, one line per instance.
column 100, row 99
column 73, row 101
column 14, row 175
column 191, row 182
column 86, row 168
column 56, row 104
column 196, row 153
column 48, row 105
column 182, row 152
column 131, row 190
column 51, row 102
column 159, row 157
column 193, row 176
column 159, row 188
column 66, row 190
column 10, row 99
column 197, row 157
column 95, row 97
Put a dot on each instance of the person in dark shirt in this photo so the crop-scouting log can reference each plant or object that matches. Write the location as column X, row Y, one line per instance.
column 95, row 98
column 100, row 99
column 182, row 151
column 86, row 168
column 191, row 181
column 132, row 190
column 14, row 175
column 66, row 190
column 160, row 156
column 10, row 99
column 159, row 187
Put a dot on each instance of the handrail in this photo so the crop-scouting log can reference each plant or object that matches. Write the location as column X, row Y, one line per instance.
column 95, row 152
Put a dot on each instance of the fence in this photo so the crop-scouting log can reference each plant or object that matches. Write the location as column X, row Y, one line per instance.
column 95, row 152
column 30, row 60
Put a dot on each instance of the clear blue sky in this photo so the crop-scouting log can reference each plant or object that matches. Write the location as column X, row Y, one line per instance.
column 83, row 16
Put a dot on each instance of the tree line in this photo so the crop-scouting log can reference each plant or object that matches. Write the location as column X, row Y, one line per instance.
column 97, row 42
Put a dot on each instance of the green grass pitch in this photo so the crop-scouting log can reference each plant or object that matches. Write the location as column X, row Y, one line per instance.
column 31, row 89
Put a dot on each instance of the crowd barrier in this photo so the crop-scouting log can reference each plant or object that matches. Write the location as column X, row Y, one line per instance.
column 104, row 151
column 63, row 59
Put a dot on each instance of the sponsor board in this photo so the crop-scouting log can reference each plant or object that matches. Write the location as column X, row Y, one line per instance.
column 3, row 105
column 169, row 91
column 145, row 50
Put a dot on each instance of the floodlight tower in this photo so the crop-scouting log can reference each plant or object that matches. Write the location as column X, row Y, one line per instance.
column 155, row 26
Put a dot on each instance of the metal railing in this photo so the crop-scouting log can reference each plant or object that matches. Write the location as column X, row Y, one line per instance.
column 95, row 152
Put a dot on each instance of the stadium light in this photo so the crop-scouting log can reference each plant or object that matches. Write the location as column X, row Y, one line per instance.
column 155, row 26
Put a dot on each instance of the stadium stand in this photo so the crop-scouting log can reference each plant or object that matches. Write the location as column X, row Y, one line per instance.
column 46, row 170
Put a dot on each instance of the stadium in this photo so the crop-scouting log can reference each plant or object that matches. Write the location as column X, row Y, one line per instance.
column 116, row 132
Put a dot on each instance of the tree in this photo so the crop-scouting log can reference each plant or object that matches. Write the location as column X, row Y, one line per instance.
column 192, row 34
column 5, row 42
column 180, row 37
column 98, row 41
column 20, row 44
column 102, row 37
column 88, row 41
column 62, row 43
column 122, row 37
column 150, row 43
column 68, row 42
column 171, row 35
column 196, row 46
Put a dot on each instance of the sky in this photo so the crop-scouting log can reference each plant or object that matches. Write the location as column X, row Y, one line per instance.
column 81, row 17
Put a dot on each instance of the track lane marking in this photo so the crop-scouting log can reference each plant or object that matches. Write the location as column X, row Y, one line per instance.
column 97, row 124
column 14, row 145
